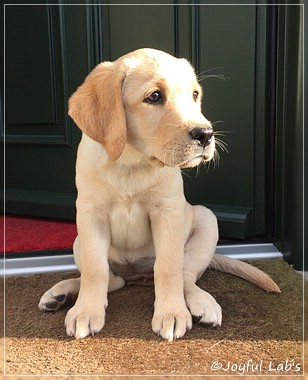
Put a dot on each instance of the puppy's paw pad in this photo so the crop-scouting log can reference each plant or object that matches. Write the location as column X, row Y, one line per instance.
column 50, row 306
column 60, row 297
column 53, row 302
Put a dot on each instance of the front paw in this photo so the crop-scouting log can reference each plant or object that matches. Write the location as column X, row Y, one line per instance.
column 81, row 322
column 203, row 307
column 171, row 323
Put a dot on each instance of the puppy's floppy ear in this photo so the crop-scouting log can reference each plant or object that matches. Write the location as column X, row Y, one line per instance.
column 97, row 108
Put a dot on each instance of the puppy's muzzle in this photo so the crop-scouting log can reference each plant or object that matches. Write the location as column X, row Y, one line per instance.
column 202, row 135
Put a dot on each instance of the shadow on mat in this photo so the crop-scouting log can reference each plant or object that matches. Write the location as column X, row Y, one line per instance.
column 249, row 313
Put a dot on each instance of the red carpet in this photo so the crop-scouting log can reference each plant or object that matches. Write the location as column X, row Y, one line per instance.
column 26, row 234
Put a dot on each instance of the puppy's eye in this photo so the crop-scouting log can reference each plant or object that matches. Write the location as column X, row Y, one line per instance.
column 196, row 95
column 154, row 98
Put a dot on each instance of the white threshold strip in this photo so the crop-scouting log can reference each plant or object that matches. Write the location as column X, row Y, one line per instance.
column 65, row 263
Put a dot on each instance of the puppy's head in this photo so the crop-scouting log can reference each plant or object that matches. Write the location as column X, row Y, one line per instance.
column 149, row 100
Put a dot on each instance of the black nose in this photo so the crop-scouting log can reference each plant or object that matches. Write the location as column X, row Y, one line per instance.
column 203, row 135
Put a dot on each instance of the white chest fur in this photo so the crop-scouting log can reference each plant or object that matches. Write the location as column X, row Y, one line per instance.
column 130, row 226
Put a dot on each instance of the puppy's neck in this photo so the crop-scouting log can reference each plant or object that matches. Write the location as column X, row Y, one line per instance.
column 132, row 158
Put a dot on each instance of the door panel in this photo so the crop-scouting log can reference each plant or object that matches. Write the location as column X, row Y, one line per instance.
column 36, row 51
column 36, row 80
column 231, row 101
column 146, row 33
column 227, row 46
column 40, row 138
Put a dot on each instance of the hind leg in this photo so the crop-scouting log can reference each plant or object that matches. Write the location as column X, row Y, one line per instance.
column 65, row 292
column 199, row 251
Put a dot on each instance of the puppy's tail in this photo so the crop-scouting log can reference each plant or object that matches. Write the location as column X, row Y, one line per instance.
column 245, row 271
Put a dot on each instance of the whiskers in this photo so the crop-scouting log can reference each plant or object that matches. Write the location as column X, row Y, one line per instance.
column 222, row 145
column 205, row 75
column 219, row 142
column 185, row 172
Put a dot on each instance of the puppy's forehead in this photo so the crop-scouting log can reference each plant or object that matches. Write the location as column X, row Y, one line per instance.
column 155, row 65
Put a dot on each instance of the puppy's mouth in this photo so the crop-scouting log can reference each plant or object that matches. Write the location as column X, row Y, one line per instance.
column 189, row 163
column 195, row 161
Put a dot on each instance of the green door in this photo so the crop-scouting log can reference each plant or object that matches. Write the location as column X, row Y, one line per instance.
column 50, row 49
column 42, row 45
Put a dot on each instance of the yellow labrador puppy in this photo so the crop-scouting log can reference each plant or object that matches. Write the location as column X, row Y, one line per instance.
column 142, row 122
